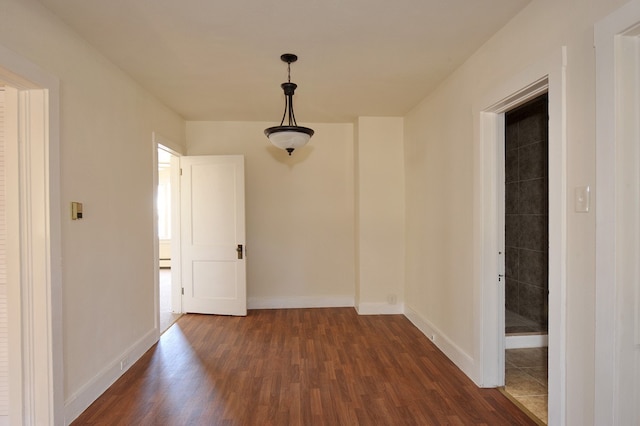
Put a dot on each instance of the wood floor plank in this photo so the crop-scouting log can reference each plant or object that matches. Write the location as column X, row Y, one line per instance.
column 297, row 367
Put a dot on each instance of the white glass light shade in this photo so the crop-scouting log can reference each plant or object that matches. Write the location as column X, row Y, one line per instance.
column 289, row 138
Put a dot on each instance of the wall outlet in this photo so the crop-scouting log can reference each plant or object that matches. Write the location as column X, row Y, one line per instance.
column 124, row 364
column 582, row 199
column 392, row 299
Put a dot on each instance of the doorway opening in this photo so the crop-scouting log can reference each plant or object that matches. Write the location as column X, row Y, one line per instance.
column 527, row 254
column 168, row 307
column 547, row 76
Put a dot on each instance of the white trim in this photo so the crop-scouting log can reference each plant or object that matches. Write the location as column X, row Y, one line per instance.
column 34, row 262
column 167, row 144
column 615, row 402
column 459, row 357
column 93, row 388
column 4, row 306
column 365, row 308
column 527, row 341
column 176, row 258
column 156, row 241
column 488, row 292
column 176, row 241
column 13, row 261
column 40, row 280
column 300, row 302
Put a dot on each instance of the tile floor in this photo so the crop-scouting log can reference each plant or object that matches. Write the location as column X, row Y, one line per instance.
column 526, row 379
column 526, row 370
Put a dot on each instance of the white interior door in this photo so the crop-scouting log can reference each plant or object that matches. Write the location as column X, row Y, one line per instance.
column 213, row 235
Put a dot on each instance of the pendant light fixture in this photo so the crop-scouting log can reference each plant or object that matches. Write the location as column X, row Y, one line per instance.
column 289, row 136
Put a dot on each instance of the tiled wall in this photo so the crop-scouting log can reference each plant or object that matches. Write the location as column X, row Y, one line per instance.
column 526, row 221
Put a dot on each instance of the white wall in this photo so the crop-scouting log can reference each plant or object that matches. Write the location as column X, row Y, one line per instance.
column 380, row 215
column 299, row 212
column 106, row 163
column 439, row 171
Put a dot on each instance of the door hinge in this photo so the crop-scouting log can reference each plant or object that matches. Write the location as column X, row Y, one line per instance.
column 180, row 171
column 182, row 289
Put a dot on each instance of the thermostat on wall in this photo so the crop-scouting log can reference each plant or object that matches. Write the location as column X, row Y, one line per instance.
column 76, row 210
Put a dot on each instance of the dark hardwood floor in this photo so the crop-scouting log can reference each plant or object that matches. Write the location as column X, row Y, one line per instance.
column 298, row 367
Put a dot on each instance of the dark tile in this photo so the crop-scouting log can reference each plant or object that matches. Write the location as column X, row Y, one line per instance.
column 543, row 323
column 520, row 329
column 511, row 166
column 511, row 263
column 534, row 232
column 533, row 268
column 533, row 197
column 511, row 136
column 533, row 161
column 533, row 302
column 512, row 230
column 526, row 222
column 512, row 195
column 532, row 129
column 511, row 295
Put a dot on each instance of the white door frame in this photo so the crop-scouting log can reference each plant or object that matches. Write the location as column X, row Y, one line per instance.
column 546, row 76
column 159, row 141
column 617, row 41
column 36, row 379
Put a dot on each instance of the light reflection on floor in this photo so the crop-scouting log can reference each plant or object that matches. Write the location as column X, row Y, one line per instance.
column 167, row 318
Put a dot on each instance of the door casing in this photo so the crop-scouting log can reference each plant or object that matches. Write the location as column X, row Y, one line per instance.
column 36, row 376
column 617, row 349
column 547, row 75
column 159, row 141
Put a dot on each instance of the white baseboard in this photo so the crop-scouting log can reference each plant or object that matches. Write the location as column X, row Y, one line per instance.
column 300, row 302
column 380, row 309
column 459, row 357
column 87, row 394
column 527, row 341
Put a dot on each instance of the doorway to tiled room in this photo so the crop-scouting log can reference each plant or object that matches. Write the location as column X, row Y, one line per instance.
column 527, row 255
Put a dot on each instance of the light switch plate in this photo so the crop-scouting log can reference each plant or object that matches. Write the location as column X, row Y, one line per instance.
column 582, row 199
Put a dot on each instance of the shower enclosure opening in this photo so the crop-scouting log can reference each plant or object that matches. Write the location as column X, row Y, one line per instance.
column 526, row 218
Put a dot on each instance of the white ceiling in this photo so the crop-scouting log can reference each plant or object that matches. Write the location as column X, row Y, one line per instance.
column 220, row 60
